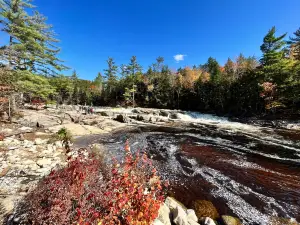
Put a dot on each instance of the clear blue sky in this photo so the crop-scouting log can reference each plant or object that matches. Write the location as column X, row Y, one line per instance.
column 92, row 30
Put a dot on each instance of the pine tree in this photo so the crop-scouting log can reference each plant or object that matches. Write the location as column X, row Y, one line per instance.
column 294, row 45
column 275, row 66
column 31, row 44
column 213, row 68
column 134, row 67
column 111, row 78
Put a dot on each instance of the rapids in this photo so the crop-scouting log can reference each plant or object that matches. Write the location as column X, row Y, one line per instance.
column 246, row 170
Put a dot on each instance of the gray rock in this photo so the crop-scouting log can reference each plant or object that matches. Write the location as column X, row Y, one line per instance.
column 136, row 111
column 180, row 216
column 174, row 116
column 109, row 114
column 163, row 113
column 164, row 214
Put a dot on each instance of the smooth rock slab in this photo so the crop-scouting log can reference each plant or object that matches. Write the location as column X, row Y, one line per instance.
column 44, row 162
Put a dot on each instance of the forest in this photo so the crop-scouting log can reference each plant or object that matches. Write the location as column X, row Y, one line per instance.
column 30, row 67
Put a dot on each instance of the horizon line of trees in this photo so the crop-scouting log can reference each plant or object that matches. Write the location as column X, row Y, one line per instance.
column 244, row 86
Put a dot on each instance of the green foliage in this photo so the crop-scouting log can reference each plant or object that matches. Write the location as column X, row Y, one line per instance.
column 66, row 137
column 294, row 45
column 34, row 85
column 32, row 42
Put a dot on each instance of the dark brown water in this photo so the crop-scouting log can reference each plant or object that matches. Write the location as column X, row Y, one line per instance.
column 247, row 171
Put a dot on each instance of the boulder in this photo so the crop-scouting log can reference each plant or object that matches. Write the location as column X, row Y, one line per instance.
column 205, row 208
column 137, row 111
column 229, row 220
column 191, row 215
column 164, row 214
column 145, row 118
column 172, row 203
column 109, row 114
column 121, row 118
column 179, row 216
column 174, row 116
column 163, row 113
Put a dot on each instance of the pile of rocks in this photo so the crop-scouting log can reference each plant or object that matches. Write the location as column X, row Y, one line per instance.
column 23, row 164
column 174, row 212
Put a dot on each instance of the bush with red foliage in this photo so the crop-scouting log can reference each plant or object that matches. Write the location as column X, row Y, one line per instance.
column 79, row 194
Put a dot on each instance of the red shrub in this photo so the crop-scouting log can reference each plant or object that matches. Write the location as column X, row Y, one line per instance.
column 79, row 194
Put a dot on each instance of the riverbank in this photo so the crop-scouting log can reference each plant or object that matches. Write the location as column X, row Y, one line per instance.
column 205, row 157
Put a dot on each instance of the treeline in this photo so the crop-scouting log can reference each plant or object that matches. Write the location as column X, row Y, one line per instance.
column 243, row 86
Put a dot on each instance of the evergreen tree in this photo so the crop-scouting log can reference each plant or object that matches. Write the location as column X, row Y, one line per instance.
column 111, row 78
column 213, row 68
column 275, row 66
column 294, row 45
column 31, row 44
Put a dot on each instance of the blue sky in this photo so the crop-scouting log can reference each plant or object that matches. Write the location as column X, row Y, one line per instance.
column 92, row 30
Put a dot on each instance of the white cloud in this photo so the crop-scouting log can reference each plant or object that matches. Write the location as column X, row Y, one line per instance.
column 179, row 57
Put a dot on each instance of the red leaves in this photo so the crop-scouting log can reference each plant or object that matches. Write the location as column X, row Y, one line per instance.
column 131, row 195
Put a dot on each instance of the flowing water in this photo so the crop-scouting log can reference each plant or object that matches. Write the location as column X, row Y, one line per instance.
column 249, row 171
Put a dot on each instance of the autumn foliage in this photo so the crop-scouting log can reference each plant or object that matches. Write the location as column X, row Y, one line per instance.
column 82, row 193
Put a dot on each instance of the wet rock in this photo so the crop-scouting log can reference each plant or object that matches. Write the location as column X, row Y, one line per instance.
column 145, row 118
column 229, row 220
column 174, row 116
column 137, row 111
column 164, row 214
column 163, row 113
column 109, row 114
column 205, row 208
column 180, row 216
column 191, row 215
column 282, row 221
column 121, row 118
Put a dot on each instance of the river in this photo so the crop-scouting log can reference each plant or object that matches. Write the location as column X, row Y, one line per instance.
column 249, row 171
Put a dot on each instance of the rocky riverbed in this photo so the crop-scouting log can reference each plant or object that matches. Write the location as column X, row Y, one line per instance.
column 234, row 168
